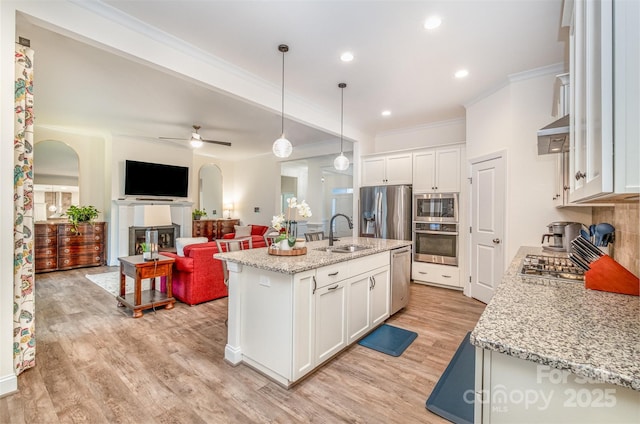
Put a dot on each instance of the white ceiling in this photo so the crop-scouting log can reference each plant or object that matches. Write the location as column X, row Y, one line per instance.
column 398, row 66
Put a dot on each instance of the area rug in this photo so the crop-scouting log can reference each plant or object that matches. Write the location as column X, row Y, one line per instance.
column 110, row 281
column 389, row 339
column 453, row 396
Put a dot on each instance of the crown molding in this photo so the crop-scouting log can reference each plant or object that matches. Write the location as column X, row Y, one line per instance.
column 422, row 127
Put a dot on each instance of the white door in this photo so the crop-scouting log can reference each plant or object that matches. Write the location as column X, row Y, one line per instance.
column 487, row 227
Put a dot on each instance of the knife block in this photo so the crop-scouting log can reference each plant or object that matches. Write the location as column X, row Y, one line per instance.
column 608, row 275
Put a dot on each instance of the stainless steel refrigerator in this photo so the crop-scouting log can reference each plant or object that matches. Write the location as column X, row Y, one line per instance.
column 385, row 212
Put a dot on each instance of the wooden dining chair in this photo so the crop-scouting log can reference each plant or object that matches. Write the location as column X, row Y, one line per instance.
column 314, row 236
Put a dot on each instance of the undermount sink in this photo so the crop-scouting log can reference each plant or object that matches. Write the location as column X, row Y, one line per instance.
column 345, row 248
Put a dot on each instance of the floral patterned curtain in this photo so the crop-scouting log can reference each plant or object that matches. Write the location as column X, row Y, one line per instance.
column 24, row 342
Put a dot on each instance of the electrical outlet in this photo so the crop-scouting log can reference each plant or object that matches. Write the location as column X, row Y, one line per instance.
column 256, row 209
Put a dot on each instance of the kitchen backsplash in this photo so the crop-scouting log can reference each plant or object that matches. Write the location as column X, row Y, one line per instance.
column 625, row 217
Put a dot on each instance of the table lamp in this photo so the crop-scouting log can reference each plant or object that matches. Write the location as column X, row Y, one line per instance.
column 152, row 216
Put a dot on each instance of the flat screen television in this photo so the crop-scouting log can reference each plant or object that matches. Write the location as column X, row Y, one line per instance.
column 155, row 179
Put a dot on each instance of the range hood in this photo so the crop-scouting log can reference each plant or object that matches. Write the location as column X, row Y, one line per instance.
column 554, row 138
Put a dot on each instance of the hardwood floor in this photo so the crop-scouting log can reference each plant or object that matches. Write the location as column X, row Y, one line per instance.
column 97, row 365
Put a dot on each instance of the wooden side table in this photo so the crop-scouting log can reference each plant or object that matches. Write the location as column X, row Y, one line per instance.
column 139, row 269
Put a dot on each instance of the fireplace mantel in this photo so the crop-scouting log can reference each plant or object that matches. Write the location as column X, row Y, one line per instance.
column 122, row 212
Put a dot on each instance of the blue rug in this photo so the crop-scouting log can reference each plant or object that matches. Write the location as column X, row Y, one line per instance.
column 388, row 339
column 450, row 398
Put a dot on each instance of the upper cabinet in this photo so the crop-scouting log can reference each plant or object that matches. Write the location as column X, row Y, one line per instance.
column 386, row 170
column 437, row 170
column 604, row 73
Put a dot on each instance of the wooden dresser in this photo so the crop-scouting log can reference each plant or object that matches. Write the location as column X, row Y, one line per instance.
column 213, row 228
column 58, row 247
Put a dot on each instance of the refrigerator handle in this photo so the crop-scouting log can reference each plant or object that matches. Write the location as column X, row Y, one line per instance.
column 378, row 214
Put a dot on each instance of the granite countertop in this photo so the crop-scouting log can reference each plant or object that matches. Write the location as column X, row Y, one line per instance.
column 561, row 324
column 260, row 258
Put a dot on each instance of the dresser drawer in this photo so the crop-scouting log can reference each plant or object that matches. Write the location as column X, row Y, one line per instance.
column 71, row 250
column 46, row 264
column 78, row 260
column 48, row 230
column 79, row 240
column 45, row 242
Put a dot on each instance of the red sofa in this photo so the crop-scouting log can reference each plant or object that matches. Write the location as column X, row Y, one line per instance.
column 257, row 236
column 197, row 277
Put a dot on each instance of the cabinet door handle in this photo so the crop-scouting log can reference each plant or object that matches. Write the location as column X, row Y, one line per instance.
column 422, row 272
column 446, row 276
column 315, row 285
column 373, row 280
column 333, row 274
column 580, row 175
column 334, row 287
column 496, row 241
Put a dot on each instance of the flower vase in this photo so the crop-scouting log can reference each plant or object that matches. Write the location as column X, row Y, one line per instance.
column 284, row 244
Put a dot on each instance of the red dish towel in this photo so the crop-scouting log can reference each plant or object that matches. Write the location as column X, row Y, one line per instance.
column 608, row 275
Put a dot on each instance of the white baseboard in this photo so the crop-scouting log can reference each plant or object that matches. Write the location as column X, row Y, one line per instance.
column 8, row 385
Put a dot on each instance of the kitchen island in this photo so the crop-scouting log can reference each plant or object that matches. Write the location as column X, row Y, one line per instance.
column 549, row 350
column 290, row 314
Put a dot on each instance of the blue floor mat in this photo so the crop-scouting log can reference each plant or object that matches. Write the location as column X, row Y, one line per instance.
column 449, row 398
column 388, row 339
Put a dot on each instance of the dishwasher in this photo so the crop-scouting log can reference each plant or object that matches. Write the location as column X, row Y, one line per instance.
column 400, row 278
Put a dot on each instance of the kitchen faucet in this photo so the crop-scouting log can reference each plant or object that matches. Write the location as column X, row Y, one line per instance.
column 331, row 226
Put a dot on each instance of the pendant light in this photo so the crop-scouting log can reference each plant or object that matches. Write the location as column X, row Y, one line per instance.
column 282, row 147
column 341, row 163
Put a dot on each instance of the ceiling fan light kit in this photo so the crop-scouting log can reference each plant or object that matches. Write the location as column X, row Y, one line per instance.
column 196, row 139
column 341, row 163
column 282, row 147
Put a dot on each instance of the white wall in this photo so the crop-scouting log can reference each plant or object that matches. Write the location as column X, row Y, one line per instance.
column 434, row 134
column 256, row 183
column 508, row 120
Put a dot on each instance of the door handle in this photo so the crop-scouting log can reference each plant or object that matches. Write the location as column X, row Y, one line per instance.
column 580, row 175
column 314, row 284
column 496, row 241
column 333, row 274
column 334, row 287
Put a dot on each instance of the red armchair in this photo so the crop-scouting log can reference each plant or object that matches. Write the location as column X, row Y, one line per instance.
column 257, row 235
column 197, row 277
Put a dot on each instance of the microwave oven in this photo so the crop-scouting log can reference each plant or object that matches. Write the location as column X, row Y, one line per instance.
column 435, row 207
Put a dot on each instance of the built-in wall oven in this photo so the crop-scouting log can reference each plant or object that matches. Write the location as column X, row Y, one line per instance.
column 435, row 242
column 435, row 207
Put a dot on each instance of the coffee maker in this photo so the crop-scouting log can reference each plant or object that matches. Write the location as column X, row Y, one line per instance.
column 560, row 236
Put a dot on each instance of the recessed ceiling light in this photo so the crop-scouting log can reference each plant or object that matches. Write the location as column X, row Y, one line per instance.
column 346, row 57
column 461, row 73
column 386, row 113
column 432, row 22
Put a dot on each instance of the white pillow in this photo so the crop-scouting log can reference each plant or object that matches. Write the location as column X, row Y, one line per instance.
column 181, row 242
column 242, row 231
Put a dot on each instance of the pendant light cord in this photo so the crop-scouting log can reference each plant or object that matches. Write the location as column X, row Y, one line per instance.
column 282, row 122
column 341, row 115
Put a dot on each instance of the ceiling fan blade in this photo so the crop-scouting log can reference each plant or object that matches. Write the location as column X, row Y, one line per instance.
column 171, row 138
column 222, row 143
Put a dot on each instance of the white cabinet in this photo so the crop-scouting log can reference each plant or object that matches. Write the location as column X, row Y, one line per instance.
column 386, row 170
column 331, row 320
column 304, row 317
column 510, row 390
column 368, row 302
column 437, row 170
column 604, row 38
column 442, row 275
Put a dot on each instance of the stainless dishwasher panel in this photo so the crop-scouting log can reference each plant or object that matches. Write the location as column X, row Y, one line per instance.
column 400, row 278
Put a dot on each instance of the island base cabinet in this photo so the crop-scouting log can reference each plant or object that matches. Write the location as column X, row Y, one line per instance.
column 513, row 390
column 331, row 321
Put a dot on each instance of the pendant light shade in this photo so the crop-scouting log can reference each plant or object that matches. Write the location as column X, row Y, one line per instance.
column 282, row 147
column 341, row 163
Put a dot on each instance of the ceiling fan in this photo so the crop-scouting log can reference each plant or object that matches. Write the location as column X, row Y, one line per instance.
column 196, row 140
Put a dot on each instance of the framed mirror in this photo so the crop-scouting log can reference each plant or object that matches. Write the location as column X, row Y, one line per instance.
column 55, row 179
column 210, row 181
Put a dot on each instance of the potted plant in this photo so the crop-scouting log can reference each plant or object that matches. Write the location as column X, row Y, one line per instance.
column 79, row 214
column 198, row 213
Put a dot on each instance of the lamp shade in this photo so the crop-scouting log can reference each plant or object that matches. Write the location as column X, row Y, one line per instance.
column 152, row 216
